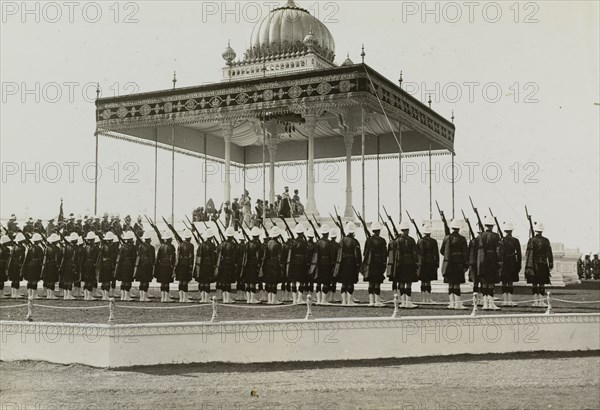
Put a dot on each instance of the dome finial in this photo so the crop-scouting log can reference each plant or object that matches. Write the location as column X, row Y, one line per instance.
column 228, row 55
column 290, row 3
column 400, row 80
column 347, row 62
column 452, row 118
column 174, row 79
column 363, row 54
column 310, row 41
column 429, row 102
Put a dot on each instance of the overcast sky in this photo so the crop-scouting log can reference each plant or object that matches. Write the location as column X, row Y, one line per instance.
column 522, row 79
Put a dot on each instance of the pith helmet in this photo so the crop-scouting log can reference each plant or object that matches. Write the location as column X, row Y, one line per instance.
column 456, row 224
column 405, row 225
column 507, row 226
column 186, row 234
column 19, row 238
column 36, row 237
column 255, row 231
column 376, row 226
column 90, row 236
column 333, row 233
column 427, row 228
column 209, row 233
column 53, row 238
column 489, row 221
column 4, row 239
column 350, row 227
column 275, row 232
column 167, row 235
column 146, row 235
column 73, row 237
column 324, row 229
column 299, row 229
column 229, row 232
column 109, row 236
column 128, row 236
column 539, row 227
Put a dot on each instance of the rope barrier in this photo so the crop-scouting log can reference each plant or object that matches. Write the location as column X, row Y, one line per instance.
column 258, row 306
column 577, row 302
column 72, row 307
column 12, row 306
column 187, row 306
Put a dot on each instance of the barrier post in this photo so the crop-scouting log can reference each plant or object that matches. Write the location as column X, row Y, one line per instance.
column 395, row 314
column 30, row 309
column 215, row 317
column 549, row 310
column 309, row 315
column 111, row 311
column 474, row 312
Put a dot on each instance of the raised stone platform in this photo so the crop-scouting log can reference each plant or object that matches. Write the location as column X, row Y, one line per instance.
column 295, row 340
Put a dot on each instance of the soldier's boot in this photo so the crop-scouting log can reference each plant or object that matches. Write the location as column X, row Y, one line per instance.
column 344, row 302
column 276, row 301
column 247, row 295
column 429, row 299
column 180, row 296
column 510, row 300
column 451, row 299
column 185, row 299
column 127, row 297
column 371, row 300
column 408, row 303
column 402, row 301
column 350, row 299
column 491, row 304
column 95, row 293
column 536, row 302
column 162, row 296
column 318, row 301
column 69, row 295
column 486, row 303
column 105, row 295
column 505, row 299
column 85, row 295
column 378, row 302
column 458, row 303
column 144, row 296
column 479, row 298
column 294, row 298
column 65, row 295
column 301, row 298
column 2, row 296
column 424, row 297
column 541, row 301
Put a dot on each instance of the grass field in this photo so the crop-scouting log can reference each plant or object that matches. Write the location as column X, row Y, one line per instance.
column 517, row 381
column 241, row 311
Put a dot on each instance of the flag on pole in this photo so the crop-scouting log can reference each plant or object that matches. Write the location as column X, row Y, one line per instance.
column 61, row 216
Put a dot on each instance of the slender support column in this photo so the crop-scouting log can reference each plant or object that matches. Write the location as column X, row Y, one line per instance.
column 155, row 170
column 362, row 156
column 96, row 177
column 378, row 186
column 173, row 174
column 205, row 176
column 453, row 186
column 430, row 187
column 311, row 204
column 400, row 172
column 348, row 141
column 272, row 146
column 227, row 128
column 264, row 169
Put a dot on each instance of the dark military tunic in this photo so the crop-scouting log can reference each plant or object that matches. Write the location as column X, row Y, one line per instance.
column 473, row 246
column 38, row 227
column 348, row 262
column 185, row 261
column 587, row 267
column 15, row 262
column 78, row 260
column 28, row 229
column 539, row 260
column 32, row 265
column 323, row 261
column 510, row 252
column 488, row 257
column 107, row 262
column 4, row 256
column 138, row 228
column 273, row 262
column 105, row 225
column 580, row 268
column 227, row 262
column 405, row 260
column 375, row 259
column 298, row 260
column 91, row 259
column 12, row 226
column 206, row 259
column 251, row 261
column 67, row 264
column 126, row 263
column 165, row 263
column 596, row 268
column 144, row 270
column 456, row 258
column 429, row 258
column 52, row 258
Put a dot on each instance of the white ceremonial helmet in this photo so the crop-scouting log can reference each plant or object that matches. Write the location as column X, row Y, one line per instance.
column 229, row 232
column 405, row 225
column 350, row 227
column 299, row 229
column 209, row 233
column 4, row 239
column 19, row 238
column 73, row 237
column 255, row 231
column 115, row 239
column 128, row 236
column 146, row 235
column 97, row 239
column 109, row 236
column 90, row 236
column 240, row 236
column 324, row 229
column 427, row 228
column 538, row 227
column 186, row 234
column 275, row 232
column 167, row 235
column 488, row 221
column 376, row 226
column 36, row 237
column 53, row 238
column 456, row 224
column 333, row 233
column 508, row 226
column 79, row 240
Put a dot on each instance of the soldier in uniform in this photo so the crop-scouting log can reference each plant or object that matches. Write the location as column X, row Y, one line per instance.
column 185, row 265
column 32, row 265
column 226, row 264
column 127, row 224
column 309, row 287
column 70, row 225
column 204, row 269
column 67, row 268
column 374, row 264
column 455, row 263
column 406, row 265
column 79, row 226
column 15, row 263
column 91, row 260
column 334, row 234
column 539, row 263
column 348, row 263
column 251, row 262
column 240, row 286
column 87, row 225
column 107, row 261
column 28, row 228
column 105, row 223
column 429, row 262
column 50, row 227
column 297, row 263
column 96, row 226
column 116, row 226
column 587, row 267
column 144, row 267
column 473, row 276
column 596, row 266
column 78, row 265
column 52, row 257
column 38, row 227
column 126, row 265
column 510, row 250
column 580, row 267
column 12, row 225
column 165, row 265
column 489, row 262
column 321, row 267
column 115, row 246
column 4, row 256
column 272, row 265
column 138, row 228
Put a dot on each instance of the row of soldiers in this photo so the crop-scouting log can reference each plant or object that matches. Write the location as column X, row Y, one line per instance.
column 588, row 268
column 323, row 257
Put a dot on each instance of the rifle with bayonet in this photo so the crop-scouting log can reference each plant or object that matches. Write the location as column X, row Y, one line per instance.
column 531, row 231
column 391, row 220
column 335, row 222
column 497, row 223
column 172, row 229
column 341, row 225
column 415, row 225
column 469, row 225
column 317, row 222
column 195, row 231
column 446, row 227
column 479, row 223
column 362, row 221
column 390, row 236
column 117, row 235
column 312, row 225
column 222, row 234
column 287, row 228
column 151, row 222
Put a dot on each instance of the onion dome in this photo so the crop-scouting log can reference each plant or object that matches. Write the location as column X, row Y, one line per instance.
column 347, row 61
column 228, row 55
column 290, row 29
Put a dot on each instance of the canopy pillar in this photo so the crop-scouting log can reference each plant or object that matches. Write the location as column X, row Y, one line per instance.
column 274, row 129
column 348, row 141
column 227, row 128
column 311, row 125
